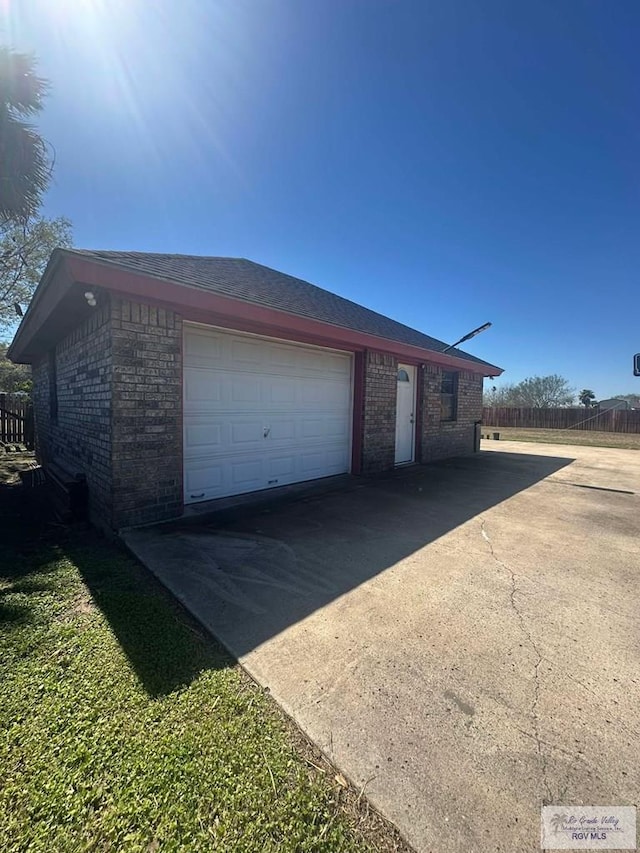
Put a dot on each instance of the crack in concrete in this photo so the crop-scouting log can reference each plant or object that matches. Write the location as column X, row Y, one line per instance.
column 536, row 675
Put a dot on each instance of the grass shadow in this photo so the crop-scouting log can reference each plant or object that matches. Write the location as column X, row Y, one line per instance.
column 30, row 546
column 14, row 615
column 165, row 646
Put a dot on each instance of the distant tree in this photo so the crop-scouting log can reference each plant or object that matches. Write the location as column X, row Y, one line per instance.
column 587, row 398
column 25, row 163
column 540, row 392
column 501, row 395
column 543, row 392
column 632, row 399
column 25, row 249
column 13, row 377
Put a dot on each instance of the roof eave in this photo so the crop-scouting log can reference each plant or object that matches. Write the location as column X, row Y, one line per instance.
column 180, row 297
column 187, row 299
column 29, row 327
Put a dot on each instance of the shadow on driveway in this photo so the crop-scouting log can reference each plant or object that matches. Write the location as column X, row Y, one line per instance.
column 248, row 574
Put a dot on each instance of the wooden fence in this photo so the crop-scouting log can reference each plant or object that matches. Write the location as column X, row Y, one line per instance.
column 16, row 420
column 612, row 420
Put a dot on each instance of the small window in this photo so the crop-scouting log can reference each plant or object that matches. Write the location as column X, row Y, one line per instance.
column 403, row 376
column 53, row 387
column 449, row 396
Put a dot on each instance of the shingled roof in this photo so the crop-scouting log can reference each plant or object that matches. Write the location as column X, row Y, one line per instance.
column 251, row 282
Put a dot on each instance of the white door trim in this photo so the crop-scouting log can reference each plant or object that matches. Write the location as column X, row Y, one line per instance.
column 406, row 401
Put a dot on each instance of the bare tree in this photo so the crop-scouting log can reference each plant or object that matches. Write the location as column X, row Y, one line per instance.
column 539, row 392
column 499, row 395
column 544, row 392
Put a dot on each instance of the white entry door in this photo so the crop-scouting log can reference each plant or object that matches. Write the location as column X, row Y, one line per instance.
column 260, row 413
column 405, row 413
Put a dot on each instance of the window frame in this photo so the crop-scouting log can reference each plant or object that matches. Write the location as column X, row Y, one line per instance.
column 53, row 387
column 449, row 383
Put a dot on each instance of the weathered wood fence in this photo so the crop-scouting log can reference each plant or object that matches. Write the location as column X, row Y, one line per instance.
column 613, row 420
column 16, row 419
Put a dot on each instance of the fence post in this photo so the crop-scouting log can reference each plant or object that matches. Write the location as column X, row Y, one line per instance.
column 29, row 427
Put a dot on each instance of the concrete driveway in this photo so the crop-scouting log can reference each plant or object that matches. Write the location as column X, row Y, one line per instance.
column 463, row 639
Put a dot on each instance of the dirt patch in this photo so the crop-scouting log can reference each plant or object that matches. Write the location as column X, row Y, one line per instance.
column 82, row 607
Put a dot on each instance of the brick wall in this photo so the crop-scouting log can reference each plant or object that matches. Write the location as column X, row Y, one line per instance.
column 379, row 417
column 147, row 413
column 79, row 438
column 119, row 419
column 119, row 413
column 440, row 439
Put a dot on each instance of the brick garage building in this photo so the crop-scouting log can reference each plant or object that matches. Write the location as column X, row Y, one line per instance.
column 167, row 380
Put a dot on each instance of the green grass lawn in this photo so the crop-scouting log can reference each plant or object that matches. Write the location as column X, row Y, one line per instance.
column 586, row 438
column 125, row 728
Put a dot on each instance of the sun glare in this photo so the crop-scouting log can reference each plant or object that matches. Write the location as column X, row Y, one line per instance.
column 159, row 75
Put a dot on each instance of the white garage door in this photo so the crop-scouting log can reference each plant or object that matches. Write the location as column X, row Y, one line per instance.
column 259, row 413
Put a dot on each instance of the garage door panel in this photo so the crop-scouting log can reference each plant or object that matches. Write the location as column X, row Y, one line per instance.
column 338, row 428
column 201, row 387
column 232, row 434
column 227, row 475
column 244, row 389
column 284, row 357
column 222, row 477
column 325, row 429
column 246, row 472
column 281, row 466
column 260, row 413
column 281, row 392
column 324, row 393
column 246, row 351
column 201, row 349
column 312, row 428
column 203, row 437
column 243, row 432
column 283, row 429
column 322, row 463
column 338, row 365
column 312, row 462
column 207, row 479
column 338, row 459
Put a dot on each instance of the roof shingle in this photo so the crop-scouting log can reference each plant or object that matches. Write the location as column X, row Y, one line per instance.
column 252, row 282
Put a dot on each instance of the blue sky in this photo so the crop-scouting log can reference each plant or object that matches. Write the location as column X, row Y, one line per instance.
column 445, row 163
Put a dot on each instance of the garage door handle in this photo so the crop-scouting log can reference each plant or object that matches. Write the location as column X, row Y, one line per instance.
column 201, row 495
column 266, row 431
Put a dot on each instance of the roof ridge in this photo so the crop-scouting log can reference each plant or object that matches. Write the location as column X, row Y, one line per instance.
column 156, row 254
